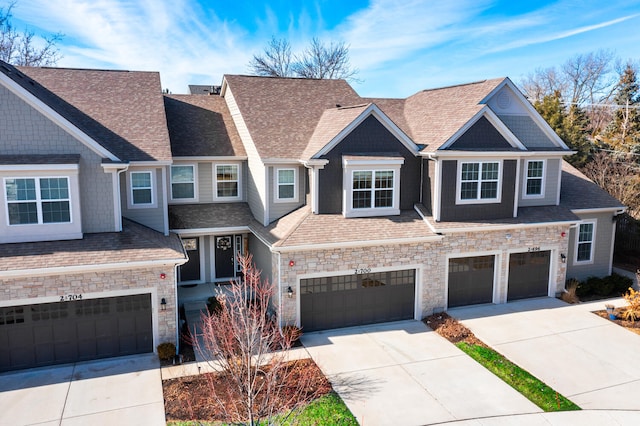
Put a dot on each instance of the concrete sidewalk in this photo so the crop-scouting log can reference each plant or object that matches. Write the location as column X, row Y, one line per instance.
column 588, row 359
column 404, row 373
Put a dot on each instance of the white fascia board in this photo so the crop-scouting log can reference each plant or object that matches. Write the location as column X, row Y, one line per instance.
column 617, row 210
column 486, row 112
column 279, row 161
column 354, row 244
column 379, row 162
column 193, row 232
column 68, row 270
column 151, row 163
column 532, row 112
column 315, row 163
column 111, row 167
column 497, row 154
column 40, row 167
column 59, row 120
column 382, row 118
column 211, row 158
column 505, row 227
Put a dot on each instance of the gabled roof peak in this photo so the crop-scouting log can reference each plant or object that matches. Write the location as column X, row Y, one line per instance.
column 454, row 86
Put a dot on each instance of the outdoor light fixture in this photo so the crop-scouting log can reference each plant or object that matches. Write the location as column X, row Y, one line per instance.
column 563, row 257
column 508, row 236
column 163, row 304
column 289, row 292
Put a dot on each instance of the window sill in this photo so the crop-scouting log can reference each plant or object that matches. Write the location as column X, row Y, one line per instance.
column 372, row 212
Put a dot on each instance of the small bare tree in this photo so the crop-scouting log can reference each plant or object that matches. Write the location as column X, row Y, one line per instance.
column 21, row 48
column 246, row 346
column 619, row 177
column 275, row 60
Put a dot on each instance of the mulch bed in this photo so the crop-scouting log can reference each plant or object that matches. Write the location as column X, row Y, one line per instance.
column 451, row 329
column 189, row 398
column 633, row 326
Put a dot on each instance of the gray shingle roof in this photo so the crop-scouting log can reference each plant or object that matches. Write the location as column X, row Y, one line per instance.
column 40, row 159
column 212, row 215
column 579, row 192
column 135, row 243
column 201, row 126
column 121, row 110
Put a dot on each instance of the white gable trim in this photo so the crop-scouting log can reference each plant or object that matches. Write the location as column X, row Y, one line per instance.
column 494, row 120
column 52, row 115
column 382, row 118
column 535, row 115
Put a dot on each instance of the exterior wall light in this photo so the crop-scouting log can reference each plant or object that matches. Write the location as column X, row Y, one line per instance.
column 163, row 304
column 563, row 257
column 508, row 236
column 289, row 292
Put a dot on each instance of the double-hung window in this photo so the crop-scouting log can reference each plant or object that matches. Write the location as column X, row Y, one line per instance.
column 183, row 183
column 479, row 182
column 227, row 181
column 585, row 240
column 141, row 189
column 534, row 180
column 286, row 185
column 372, row 189
column 38, row 200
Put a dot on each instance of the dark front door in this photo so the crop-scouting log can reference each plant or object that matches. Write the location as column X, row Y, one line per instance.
column 470, row 280
column 80, row 330
column 528, row 275
column 225, row 256
column 348, row 300
column 190, row 271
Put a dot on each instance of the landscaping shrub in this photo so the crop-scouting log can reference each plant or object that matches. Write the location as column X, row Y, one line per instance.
column 213, row 305
column 569, row 294
column 166, row 351
column 291, row 333
column 609, row 286
column 632, row 312
column 620, row 283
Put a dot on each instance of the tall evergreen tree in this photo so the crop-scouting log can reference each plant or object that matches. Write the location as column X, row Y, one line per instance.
column 623, row 133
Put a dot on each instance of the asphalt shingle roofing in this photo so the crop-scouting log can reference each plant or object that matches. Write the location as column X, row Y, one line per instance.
column 121, row 110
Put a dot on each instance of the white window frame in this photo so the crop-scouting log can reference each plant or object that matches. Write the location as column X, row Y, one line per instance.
column 215, row 182
column 479, row 200
column 526, row 178
column 130, row 202
column 277, row 185
column 351, row 166
column 38, row 200
column 194, row 183
column 578, row 242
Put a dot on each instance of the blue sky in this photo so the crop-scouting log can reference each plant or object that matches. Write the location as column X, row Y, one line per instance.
column 399, row 47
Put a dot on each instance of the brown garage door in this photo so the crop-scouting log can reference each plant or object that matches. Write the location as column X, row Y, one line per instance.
column 528, row 275
column 470, row 280
column 348, row 300
column 55, row 333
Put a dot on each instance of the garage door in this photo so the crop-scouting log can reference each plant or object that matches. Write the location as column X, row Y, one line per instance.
column 348, row 300
column 528, row 275
column 470, row 280
column 55, row 333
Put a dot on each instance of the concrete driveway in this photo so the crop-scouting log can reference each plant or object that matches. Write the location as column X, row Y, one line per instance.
column 588, row 359
column 403, row 373
column 115, row 391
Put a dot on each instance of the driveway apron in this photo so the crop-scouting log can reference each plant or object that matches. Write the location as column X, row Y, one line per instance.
column 122, row 391
column 588, row 359
column 403, row 373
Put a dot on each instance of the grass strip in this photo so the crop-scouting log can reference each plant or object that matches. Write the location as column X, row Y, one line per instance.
column 522, row 381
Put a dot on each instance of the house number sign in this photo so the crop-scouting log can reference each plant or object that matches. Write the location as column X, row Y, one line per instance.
column 534, row 249
column 362, row 271
column 70, row 297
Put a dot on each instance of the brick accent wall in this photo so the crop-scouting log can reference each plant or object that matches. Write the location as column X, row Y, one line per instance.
column 429, row 258
column 46, row 289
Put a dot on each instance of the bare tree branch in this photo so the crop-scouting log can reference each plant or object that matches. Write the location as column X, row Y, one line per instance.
column 275, row 61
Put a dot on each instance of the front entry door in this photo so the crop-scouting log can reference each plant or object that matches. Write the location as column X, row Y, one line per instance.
column 225, row 256
column 190, row 271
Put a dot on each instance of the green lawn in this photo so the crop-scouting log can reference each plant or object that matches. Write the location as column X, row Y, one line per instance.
column 535, row 390
column 327, row 410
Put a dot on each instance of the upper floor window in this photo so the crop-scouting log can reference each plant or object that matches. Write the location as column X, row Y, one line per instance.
column 534, row 180
column 479, row 182
column 585, row 239
column 141, row 189
column 372, row 189
column 286, row 185
column 227, row 181
column 38, row 200
column 183, row 182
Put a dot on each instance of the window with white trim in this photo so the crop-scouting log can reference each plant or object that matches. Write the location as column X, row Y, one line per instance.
column 141, row 188
column 38, row 200
column 534, row 179
column 183, row 182
column 479, row 181
column 227, row 181
column 585, row 240
column 286, row 185
column 372, row 189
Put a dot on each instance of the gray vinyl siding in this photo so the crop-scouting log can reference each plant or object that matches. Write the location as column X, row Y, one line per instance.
column 450, row 211
column 205, row 183
column 24, row 131
column 152, row 217
column 369, row 137
column 279, row 209
column 261, row 257
column 600, row 267
column 255, row 181
column 481, row 135
column 527, row 131
column 551, row 184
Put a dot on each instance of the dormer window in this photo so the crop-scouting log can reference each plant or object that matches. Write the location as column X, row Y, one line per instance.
column 371, row 186
column 479, row 182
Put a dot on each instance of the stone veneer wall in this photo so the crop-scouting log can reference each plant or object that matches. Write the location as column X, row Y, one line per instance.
column 432, row 257
column 92, row 285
